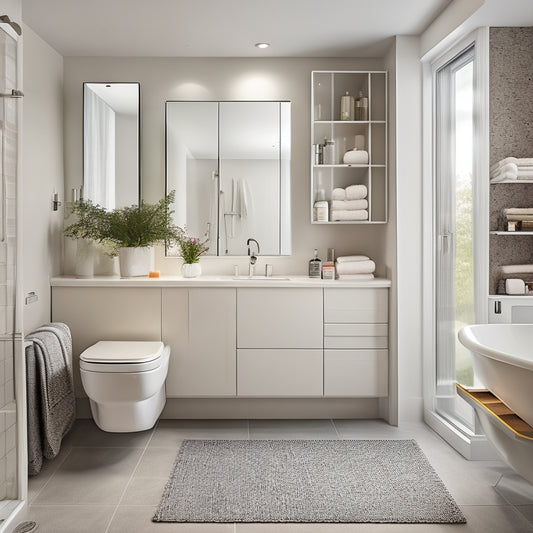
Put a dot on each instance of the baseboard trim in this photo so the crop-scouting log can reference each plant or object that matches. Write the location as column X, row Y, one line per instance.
column 258, row 408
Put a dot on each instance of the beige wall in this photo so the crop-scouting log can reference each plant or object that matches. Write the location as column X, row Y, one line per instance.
column 222, row 79
column 42, row 171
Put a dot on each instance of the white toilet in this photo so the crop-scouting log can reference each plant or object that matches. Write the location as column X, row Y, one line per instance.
column 125, row 382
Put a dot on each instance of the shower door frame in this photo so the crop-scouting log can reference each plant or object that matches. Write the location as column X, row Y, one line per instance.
column 20, row 505
column 470, row 443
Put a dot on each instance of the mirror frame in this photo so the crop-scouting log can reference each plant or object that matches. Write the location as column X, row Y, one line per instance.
column 108, row 83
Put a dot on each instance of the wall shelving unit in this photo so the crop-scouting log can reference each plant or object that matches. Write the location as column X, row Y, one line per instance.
column 327, row 87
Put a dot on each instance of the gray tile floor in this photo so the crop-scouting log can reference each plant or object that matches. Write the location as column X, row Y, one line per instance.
column 111, row 483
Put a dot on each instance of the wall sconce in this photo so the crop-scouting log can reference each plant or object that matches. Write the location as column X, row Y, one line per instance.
column 55, row 201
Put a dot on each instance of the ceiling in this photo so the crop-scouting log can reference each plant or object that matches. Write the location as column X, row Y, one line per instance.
column 227, row 28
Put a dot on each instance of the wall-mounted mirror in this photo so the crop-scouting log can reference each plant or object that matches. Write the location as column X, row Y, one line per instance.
column 111, row 176
column 229, row 163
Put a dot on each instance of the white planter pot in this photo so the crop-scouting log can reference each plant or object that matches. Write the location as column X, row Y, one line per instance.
column 191, row 270
column 135, row 261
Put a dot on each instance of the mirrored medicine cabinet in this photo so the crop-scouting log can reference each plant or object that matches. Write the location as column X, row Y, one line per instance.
column 229, row 163
column 111, row 144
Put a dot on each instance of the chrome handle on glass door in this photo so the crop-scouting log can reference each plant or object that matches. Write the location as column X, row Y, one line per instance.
column 445, row 240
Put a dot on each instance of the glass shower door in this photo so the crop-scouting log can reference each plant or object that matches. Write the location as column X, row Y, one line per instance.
column 13, row 467
column 454, row 231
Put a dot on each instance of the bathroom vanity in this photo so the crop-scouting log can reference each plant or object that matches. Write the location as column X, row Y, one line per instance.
column 241, row 339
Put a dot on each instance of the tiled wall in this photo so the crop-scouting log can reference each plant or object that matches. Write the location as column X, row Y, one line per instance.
column 511, row 135
column 8, row 236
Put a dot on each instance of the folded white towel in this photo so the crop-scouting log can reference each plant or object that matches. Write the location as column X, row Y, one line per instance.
column 355, row 276
column 516, row 269
column 504, row 176
column 356, row 267
column 338, row 194
column 518, row 211
column 516, row 218
column 518, row 161
column 352, row 258
column 356, row 192
column 349, row 214
column 355, row 157
column 349, row 204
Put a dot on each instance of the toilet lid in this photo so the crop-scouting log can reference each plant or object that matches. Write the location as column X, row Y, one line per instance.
column 122, row 352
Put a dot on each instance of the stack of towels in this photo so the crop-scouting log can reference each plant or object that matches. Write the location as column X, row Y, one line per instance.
column 519, row 218
column 512, row 168
column 349, row 203
column 355, row 267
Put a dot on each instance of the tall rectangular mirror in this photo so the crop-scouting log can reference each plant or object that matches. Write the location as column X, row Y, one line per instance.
column 111, row 142
column 229, row 163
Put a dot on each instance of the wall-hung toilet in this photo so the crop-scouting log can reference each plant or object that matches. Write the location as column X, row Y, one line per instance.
column 125, row 383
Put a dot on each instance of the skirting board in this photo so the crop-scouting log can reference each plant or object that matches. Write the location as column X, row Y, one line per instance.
column 257, row 408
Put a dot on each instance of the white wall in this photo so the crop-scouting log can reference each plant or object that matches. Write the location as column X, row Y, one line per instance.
column 42, row 171
column 222, row 79
column 409, row 179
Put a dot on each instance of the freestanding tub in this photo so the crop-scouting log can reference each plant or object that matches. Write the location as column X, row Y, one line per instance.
column 502, row 356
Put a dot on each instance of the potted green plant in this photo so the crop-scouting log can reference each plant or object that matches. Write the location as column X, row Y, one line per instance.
column 191, row 248
column 129, row 232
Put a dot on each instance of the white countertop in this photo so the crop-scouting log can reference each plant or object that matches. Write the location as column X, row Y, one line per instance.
column 214, row 281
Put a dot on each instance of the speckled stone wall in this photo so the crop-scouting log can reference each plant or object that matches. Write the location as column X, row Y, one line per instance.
column 511, row 135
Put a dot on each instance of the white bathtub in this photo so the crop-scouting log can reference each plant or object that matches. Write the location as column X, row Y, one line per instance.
column 502, row 356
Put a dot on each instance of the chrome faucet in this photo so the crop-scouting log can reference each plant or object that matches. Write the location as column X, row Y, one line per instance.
column 253, row 257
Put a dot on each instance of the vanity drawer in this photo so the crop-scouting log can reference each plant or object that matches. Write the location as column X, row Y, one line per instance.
column 356, row 330
column 265, row 373
column 356, row 305
column 356, row 342
column 356, row 373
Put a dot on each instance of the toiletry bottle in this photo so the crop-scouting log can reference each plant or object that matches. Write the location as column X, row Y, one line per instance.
column 330, row 152
column 347, row 107
column 315, row 266
column 363, row 106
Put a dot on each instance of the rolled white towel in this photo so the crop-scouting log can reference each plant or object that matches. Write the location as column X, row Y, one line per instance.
column 338, row 194
column 524, row 161
column 355, row 277
column 356, row 192
column 503, row 162
column 516, row 269
column 349, row 204
column 349, row 214
column 511, row 168
column 356, row 267
column 352, row 258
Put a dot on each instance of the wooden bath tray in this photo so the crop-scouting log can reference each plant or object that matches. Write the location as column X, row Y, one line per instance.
column 498, row 409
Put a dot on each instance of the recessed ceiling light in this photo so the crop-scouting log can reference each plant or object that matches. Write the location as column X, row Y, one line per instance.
column 262, row 45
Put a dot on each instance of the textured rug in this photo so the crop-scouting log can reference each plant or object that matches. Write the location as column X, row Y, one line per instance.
column 381, row 481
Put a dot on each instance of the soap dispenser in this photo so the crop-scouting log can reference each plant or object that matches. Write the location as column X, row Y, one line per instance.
column 315, row 266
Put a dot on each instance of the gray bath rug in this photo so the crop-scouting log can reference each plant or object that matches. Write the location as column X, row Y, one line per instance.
column 381, row 481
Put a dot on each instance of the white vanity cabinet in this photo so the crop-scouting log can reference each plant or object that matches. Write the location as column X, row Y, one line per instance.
column 199, row 325
column 279, row 342
column 356, row 361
